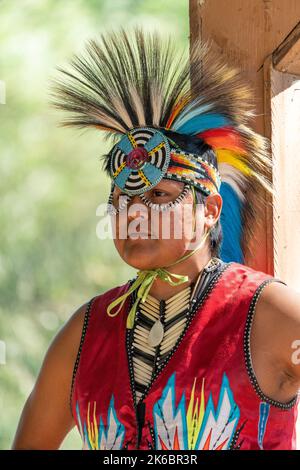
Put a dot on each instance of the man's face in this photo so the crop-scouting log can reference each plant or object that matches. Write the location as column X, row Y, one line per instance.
column 146, row 238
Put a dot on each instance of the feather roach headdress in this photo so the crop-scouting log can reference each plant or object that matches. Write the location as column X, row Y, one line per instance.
column 135, row 88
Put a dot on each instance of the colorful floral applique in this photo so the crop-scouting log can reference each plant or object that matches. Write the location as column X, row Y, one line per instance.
column 101, row 437
column 195, row 425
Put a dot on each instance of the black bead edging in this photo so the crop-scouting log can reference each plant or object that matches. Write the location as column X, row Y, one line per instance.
column 129, row 334
column 83, row 333
column 247, row 352
column 169, row 205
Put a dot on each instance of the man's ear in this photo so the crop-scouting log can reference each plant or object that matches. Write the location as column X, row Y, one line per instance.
column 212, row 209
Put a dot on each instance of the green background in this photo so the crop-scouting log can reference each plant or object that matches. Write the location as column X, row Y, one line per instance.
column 51, row 260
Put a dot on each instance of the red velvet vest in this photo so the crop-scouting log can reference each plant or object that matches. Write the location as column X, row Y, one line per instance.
column 204, row 397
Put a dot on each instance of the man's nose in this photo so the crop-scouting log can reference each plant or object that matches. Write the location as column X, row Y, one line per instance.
column 136, row 208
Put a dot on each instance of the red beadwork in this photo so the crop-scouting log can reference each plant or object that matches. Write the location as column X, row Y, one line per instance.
column 137, row 157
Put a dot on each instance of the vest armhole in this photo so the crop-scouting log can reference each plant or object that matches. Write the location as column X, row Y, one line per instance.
column 247, row 350
column 83, row 333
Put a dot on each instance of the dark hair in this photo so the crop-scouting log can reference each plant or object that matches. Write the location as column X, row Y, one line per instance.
column 196, row 145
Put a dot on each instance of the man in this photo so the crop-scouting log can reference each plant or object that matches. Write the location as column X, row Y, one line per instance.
column 198, row 351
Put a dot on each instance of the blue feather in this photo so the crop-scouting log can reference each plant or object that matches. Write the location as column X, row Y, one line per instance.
column 202, row 123
column 231, row 221
column 189, row 113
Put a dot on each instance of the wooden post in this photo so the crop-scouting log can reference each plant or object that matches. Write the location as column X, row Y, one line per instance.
column 257, row 36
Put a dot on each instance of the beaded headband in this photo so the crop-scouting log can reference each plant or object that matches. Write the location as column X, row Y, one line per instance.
column 145, row 155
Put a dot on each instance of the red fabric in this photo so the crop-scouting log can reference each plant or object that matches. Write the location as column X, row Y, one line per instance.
column 232, row 413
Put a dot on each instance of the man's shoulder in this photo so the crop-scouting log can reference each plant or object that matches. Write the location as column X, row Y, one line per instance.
column 282, row 300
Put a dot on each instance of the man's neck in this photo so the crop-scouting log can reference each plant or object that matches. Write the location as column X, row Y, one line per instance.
column 191, row 267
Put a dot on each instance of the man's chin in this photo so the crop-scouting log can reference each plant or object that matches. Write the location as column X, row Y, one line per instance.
column 140, row 258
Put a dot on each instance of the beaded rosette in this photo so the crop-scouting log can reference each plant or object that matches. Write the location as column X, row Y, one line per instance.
column 144, row 156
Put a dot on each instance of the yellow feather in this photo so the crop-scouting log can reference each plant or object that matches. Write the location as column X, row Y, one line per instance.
column 232, row 158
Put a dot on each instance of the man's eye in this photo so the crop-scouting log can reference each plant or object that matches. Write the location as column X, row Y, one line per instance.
column 159, row 193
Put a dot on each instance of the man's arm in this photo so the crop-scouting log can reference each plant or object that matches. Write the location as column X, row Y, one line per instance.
column 275, row 342
column 46, row 418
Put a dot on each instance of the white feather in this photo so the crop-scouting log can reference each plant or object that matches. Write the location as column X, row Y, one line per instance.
column 108, row 121
column 121, row 110
column 234, row 178
column 156, row 101
column 136, row 100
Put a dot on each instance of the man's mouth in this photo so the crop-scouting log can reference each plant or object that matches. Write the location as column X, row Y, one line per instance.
column 135, row 235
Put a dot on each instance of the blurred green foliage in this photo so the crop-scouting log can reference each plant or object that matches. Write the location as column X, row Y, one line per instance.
column 51, row 183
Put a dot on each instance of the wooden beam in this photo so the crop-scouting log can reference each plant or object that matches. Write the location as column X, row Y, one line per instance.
column 285, row 135
column 286, row 58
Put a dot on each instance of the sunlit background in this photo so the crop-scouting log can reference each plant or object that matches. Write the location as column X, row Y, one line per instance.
column 51, row 260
